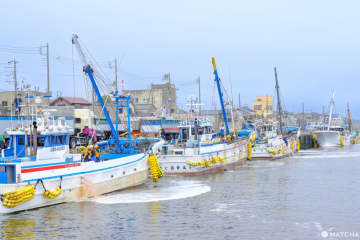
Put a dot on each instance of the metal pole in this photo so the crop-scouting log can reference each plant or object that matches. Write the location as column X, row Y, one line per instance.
column 116, row 77
column 303, row 116
column 199, row 97
column 128, row 117
column 117, row 112
column 278, row 100
column 48, row 68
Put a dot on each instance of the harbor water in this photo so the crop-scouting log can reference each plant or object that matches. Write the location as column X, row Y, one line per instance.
column 299, row 197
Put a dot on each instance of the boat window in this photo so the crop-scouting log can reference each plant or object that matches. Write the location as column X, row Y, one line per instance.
column 185, row 133
column 52, row 138
column 67, row 139
column 63, row 139
column 58, row 139
column 47, row 141
column 201, row 131
column 192, row 131
column 20, row 140
column 41, row 141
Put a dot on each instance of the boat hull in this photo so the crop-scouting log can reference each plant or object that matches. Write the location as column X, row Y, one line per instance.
column 278, row 149
column 328, row 138
column 87, row 183
column 235, row 155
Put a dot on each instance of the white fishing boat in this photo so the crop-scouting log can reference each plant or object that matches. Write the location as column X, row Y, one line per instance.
column 268, row 145
column 37, row 169
column 334, row 133
column 198, row 150
column 272, row 142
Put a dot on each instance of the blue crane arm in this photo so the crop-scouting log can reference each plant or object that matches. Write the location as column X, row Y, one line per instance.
column 88, row 70
column 220, row 96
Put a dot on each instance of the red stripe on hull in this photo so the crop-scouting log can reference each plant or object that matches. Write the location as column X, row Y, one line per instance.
column 209, row 170
column 27, row 170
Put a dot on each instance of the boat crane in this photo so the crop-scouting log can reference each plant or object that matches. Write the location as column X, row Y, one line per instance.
column 217, row 80
column 120, row 101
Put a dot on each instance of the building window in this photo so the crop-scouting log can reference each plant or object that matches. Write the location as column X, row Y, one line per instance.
column 257, row 107
column 77, row 120
column 172, row 110
column 120, row 110
column 259, row 99
column 4, row 103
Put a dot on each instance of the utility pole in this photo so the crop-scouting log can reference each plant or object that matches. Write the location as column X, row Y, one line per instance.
column 303, row 116
column 278, row 100
column 239, row 102
column 116, row 76
column 198, row 80
column 14, row 76
column 47, row 66
column 48, row 69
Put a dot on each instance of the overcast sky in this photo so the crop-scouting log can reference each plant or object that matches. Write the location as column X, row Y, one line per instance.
column 313, row 44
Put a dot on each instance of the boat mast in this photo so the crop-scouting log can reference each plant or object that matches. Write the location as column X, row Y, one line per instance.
column 278, row 101
column 332, row 102
column 217, row 80
column 349, row 118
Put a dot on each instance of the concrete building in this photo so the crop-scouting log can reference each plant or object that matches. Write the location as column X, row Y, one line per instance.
column 263, row 106
column 159, row 95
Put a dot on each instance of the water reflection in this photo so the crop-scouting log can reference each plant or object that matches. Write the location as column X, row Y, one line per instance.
column 153, row 224
column 14, row 228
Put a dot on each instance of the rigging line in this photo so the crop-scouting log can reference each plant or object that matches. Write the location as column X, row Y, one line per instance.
column 73, row 68
column 95, row 63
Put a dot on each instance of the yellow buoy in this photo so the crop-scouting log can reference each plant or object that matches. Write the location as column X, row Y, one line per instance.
column 155, row 169
column 19, row 196
column 52, row 194
column 315, row 140
column 341, row 141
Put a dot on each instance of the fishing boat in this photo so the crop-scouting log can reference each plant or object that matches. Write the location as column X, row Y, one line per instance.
column 334, row 133
column 51, row 174
column 199, row 150
column 273, row 141
column 268, row 145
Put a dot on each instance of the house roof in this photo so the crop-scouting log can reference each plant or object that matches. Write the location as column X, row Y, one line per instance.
column 72, row 100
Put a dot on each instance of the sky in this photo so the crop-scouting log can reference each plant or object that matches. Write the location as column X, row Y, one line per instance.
column 313, row 44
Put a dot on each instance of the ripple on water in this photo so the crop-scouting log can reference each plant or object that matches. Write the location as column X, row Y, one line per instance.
column 177, row 190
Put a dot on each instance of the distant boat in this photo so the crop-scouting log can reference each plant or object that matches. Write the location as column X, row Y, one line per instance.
column 334, row 133
column 268, row 145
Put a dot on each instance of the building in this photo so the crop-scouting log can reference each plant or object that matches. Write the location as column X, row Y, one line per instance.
column 76, row 102
column 7, row 100
column 159, row 95
column 263, row 106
